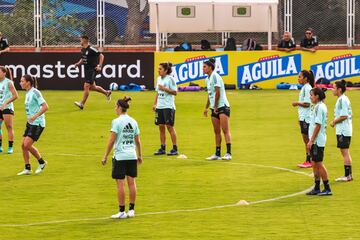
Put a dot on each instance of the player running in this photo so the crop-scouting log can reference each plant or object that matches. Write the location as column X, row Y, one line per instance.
column 125, row 140
column 317, row 140
column 8, row 95
column 164, row 107
column 220, row 109
column 93, row 60
column 306, row 78
column 35, row 107
column 343, row 126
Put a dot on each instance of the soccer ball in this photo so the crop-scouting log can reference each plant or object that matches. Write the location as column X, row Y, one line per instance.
column 114, row 86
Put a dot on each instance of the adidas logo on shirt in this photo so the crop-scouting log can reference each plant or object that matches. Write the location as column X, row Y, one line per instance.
column 128, row 128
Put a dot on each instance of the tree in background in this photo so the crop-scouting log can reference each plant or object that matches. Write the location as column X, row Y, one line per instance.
column 135, row 21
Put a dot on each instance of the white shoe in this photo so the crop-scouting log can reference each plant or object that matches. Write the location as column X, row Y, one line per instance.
column 227, row 157
column 131, row 213
column 40, row 168
column 108, row 96
column 213, row 157
column 79, row 104
column 25, row 172
column 120, row 215
column 344, row 179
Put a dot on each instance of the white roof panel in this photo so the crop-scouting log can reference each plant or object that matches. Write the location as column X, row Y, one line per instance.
column 217, row 1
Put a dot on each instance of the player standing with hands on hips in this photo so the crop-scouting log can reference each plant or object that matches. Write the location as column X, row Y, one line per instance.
column 93, row 60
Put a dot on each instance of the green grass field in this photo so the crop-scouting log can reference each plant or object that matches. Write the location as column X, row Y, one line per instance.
column 75, row 195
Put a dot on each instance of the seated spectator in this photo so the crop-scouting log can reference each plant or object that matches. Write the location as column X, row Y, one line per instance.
column 287, row 43
column 4, row 44
column 230, row 44
column 205, row 45
column 310, row 42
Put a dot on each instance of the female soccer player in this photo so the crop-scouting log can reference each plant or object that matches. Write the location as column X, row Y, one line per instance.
column 35, row 107
column 164, row 107
column 125, row 140
column 306, row 78
column 343, row 125
column 8, row 95
column 317, row 140
column 220, row 109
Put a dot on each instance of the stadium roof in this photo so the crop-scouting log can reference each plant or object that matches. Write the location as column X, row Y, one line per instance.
column 218, row 1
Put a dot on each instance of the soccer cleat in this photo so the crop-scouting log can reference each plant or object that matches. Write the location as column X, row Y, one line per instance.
column 173, row 152
column 313, row 192
column 79, row 104
column 131, row 213
column 40, row 168
column 226, row 157
column 25, row 172
column 344, row 179
column 160, row 152
column 325, row 192
column 120, row 215
column 108, row 96
column 10, row 150
column 213, row 157
column 1, row 149
column 305, row 165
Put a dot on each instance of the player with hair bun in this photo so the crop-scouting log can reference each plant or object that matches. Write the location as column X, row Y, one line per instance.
column 317, row 141
column 343, row 126
column 306, row 78
column 125, row 140
column 164, row 107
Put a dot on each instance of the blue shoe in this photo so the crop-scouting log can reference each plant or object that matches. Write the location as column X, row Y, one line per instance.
column 325, row 193
column 1, row 149
column 173, row 152
column 10, row 150
column 160, row 152
column 313, row 192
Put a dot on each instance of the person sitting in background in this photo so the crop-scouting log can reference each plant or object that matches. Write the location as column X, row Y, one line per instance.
column 287, row 43
column 205, row 45
column 230, row 44
column 4, row 44
column 310, row 42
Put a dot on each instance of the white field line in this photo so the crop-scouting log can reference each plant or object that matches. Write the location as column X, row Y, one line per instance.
column 170, row 211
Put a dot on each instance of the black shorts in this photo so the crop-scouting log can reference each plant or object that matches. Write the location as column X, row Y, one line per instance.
column 33, row 131
column 304, row 127
column 317, row 153
column 223, row 110
column 90, row 76
column 4, row 112
column 123, row 168
column 165, row 116
column 343, row 142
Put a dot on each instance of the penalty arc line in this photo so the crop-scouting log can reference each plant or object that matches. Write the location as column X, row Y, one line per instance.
column 173, row 211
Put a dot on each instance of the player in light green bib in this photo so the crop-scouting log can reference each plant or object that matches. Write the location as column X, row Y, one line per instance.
column 220, row 109
column 125, row 140
column 343, row 124
column 164, row 107
column 8, row 95
column 317, row 141
column 306, row 78
column 35, row 107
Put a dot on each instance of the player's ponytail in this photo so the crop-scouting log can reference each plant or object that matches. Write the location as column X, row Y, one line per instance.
column 167, row 66
column 9, row 74
column 124, row 103
column 309, row 75
column 342, row 85
column 211, row 63
column 33, row 80
column 319, row 92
